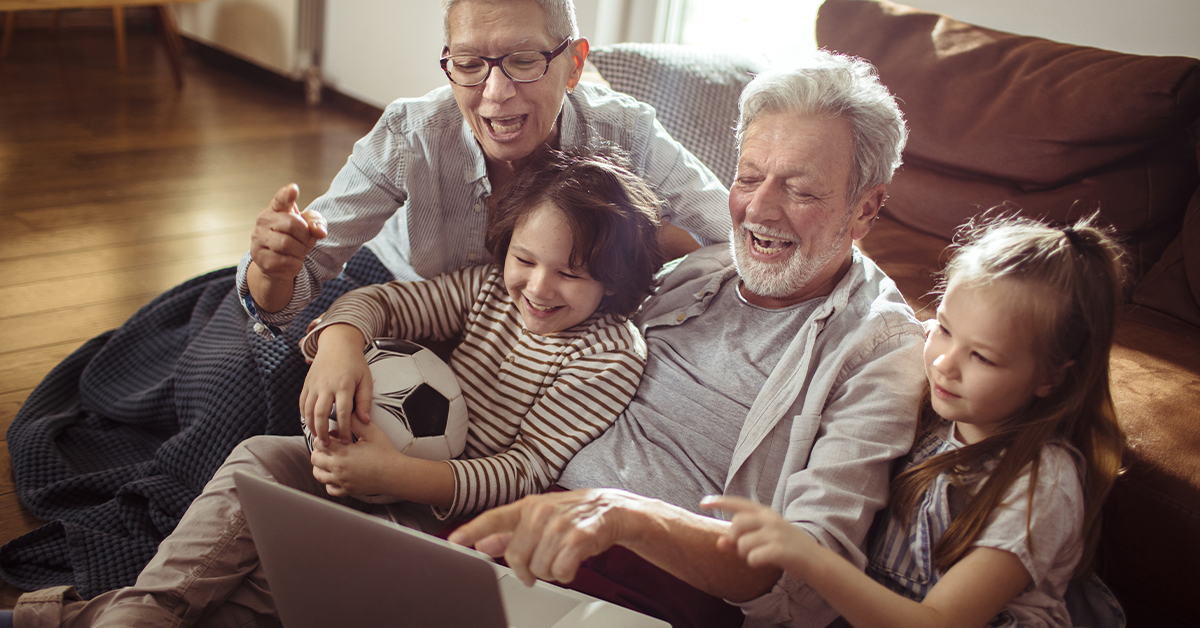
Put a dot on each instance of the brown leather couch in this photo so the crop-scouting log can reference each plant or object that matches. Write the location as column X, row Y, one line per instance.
column 1055, row 131
column 1059, row 131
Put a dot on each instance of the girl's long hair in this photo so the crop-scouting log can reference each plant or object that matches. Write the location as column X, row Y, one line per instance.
column 1074, row 277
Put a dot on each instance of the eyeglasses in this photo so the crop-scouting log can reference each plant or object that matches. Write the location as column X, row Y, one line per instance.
column 525, row 66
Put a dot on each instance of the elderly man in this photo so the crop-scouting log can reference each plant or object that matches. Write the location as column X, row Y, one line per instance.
column 790, row 374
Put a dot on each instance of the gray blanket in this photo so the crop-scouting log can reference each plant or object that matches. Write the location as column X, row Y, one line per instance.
column 114, row 444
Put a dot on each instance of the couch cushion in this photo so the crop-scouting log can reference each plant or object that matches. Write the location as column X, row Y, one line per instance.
column 1055, row 129
column 1150, row 542
column 694, row 90
column 1173, row 285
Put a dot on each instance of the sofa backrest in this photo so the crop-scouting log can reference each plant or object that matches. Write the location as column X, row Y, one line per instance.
column 1054, row 130
column 693, row 89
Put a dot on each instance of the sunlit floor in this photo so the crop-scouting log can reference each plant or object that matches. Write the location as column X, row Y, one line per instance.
column 115, row 186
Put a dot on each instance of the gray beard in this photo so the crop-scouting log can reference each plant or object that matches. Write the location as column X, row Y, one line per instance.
column 779, row 280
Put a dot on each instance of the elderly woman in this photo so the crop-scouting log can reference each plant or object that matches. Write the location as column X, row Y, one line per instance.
column 417, row 188
column 120, row 437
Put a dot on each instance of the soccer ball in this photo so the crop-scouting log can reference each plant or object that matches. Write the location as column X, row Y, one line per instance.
column 416, row 402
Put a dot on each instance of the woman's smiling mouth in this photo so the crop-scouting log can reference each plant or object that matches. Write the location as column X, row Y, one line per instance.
column 506, row 126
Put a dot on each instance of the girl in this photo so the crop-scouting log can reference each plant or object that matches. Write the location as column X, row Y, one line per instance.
column 998, row 503
column 547, row 361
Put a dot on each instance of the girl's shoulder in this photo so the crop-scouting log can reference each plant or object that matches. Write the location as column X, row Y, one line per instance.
column 935, row 438
column 1060, row 470
column 1052, row 502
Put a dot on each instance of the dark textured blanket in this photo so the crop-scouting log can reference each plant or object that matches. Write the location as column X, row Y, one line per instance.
column 114, row 444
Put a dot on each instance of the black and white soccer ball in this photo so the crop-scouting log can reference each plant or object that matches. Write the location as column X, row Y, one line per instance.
column 416, row 402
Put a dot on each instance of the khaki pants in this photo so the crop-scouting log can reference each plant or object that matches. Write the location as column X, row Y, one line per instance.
column 206, row 573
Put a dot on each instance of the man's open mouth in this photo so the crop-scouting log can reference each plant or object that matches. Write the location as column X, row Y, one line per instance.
column 768, row 246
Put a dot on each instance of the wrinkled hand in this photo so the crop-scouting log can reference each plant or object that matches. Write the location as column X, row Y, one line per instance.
column 548, row 536
column 761, row 537
column 359, row 468
column 283, row 236
column 339, row 377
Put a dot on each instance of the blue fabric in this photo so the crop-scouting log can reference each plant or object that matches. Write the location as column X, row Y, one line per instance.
column 113, row 445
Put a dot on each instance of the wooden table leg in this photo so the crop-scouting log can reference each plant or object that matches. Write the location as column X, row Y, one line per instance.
column 9, row 19
column 119, row 28
column 170, row 34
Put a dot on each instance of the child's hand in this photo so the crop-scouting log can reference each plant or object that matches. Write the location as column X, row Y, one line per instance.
column 761, row 537
column 339, row 377
column 360, row 468
column 929, row 326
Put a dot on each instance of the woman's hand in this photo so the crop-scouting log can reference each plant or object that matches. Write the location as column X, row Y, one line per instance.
column 282, row 237
column 338, row 379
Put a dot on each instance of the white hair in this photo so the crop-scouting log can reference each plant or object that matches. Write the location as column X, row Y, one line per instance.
column 835, row 85
column 560, row 18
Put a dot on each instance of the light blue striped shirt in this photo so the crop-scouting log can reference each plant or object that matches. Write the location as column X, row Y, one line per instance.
column 415, row 189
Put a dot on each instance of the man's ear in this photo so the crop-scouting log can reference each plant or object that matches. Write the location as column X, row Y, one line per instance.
column 1054, row 379
column 867, row 211
column 579, row 52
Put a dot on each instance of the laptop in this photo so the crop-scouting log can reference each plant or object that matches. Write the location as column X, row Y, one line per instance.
column 329, row 565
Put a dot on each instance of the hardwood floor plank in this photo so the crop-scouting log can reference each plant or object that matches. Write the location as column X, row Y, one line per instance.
column 115, row 186
column 79, row 177
column 71, row 294
column 226, row 245
column 21, row 370
column 153, row 225
column 7, row 485
column 10, row 402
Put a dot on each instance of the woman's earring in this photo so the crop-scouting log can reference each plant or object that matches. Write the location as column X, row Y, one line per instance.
column 570, row 90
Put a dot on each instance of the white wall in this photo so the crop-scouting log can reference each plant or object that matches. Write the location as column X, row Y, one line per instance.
column 381, row 50
column 262, row 31
column 1148, row 27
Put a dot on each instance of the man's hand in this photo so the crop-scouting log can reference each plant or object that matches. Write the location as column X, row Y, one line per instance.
column 338, row 378
column 548, row 536
column 282, row 237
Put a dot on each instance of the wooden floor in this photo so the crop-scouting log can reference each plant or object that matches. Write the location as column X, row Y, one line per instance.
column 114, row 186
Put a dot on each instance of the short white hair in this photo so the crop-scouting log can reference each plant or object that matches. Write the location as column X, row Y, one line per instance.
column 835, row 85
column 560, row 18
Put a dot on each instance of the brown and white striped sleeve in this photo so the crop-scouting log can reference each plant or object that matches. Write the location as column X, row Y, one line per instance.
column 594, row 376
column 413, row 310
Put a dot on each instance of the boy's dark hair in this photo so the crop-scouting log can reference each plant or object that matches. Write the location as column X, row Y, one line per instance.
column 612, row 213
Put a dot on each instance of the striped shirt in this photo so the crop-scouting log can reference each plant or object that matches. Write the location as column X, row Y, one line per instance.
column 415, row 190
column 532, row 400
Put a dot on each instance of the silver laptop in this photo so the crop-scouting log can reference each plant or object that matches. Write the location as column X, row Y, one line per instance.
column 329, row 565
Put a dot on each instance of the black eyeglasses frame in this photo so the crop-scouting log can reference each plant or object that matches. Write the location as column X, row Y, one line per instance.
column 494, row 62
